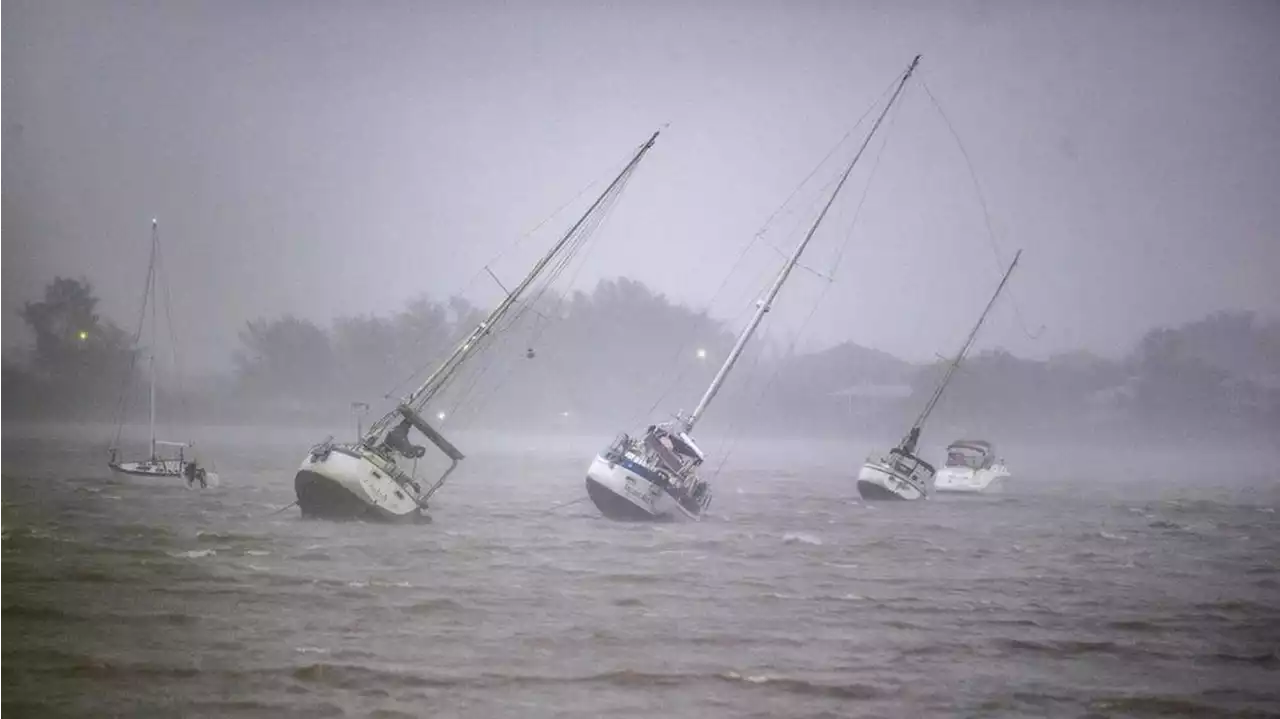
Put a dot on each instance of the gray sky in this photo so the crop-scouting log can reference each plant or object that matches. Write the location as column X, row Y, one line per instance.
column 326, row 158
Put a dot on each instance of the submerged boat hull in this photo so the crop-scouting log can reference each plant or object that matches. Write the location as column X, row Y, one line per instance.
column 879, row 480
column 623, row 493
column 959, row 480
column 343, row 483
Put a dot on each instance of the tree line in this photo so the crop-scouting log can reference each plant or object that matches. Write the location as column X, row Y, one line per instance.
column 622, row 354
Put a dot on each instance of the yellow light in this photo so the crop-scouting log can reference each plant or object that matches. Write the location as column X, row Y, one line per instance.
column 83, row 335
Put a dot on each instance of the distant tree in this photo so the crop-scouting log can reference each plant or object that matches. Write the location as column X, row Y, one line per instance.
column 77, row 353
column 286, row 357
column 366, row 355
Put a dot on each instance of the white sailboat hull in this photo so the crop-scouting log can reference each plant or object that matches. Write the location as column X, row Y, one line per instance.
column 962, row 480
column 882, row 480
column 622, row 493
column 163, row 469
column 158, row 468
column 348, row 483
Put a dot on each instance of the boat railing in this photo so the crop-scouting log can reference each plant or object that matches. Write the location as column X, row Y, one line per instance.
column 444, row 445
column 618, row 447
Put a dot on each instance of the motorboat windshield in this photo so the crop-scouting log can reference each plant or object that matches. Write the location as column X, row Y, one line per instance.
column 970, row 454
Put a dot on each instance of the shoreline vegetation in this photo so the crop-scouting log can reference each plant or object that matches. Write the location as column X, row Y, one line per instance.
column 603, row 359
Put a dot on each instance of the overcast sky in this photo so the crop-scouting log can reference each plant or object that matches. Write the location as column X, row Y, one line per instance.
column 324, row 158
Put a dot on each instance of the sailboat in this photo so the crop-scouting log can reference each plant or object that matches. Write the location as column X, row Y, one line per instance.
column 176, row 463
column 654, row 477
column 899, row 473
column 364, row 479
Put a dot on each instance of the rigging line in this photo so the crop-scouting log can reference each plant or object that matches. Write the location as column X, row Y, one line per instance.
column 505, row 333
column 733, row 442
column 505, row 291
column 562, row 505
column 764, row 228
column 795, row 339
column 453, row 336
column 986, row 212
column 759, row 237
column 399, row 385
column 173, row 334
column 730, row 436
column 866, row 189
column 540, row 327
column 585, row 233
column 123, row 406
column 478, row 406
column 278, row 511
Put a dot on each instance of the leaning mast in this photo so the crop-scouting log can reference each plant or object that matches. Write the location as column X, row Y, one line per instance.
column 420, row 396
column 964, row 349
column 763, row 306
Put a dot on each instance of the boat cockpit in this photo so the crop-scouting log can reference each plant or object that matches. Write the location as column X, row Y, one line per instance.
column 974, row 455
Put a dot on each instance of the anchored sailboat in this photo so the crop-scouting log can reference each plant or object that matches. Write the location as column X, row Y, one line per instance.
column 362, row 480
column 157, row 464
column 899, row 473
column 655, row 476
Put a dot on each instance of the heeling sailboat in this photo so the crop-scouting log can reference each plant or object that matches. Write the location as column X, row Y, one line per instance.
column 362, row 480
column 899, row 473
column 655, row 477
column 177, row 464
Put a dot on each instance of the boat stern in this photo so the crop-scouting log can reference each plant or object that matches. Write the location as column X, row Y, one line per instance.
column 339, row 483
column 879, row 480
column 621, row 493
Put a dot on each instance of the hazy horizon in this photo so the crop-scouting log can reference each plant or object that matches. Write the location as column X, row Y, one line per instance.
column 323, row 160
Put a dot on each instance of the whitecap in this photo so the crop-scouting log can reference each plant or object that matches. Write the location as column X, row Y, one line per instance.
column 256, row 552
column 194, row 553
column 311, row 650
column 801, row 537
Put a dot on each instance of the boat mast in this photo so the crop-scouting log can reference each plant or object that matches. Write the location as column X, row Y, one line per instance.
column 424, row 392
column 763, row 305
column 955, row 363
column 151, row 360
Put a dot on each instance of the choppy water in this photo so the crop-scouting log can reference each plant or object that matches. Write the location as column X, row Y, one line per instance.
column 1064, row 597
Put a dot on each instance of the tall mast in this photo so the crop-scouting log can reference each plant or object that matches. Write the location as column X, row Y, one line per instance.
column 764, row 304
column 964, row 350
column 151, row 362
column 424, row 392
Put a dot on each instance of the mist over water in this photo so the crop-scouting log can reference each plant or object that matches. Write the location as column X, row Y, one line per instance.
column 1106, row 583
column 345, row 191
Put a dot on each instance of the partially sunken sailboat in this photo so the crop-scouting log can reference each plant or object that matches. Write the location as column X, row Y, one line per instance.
column 654, row 476
column 165, row 458
column 365, row 479
column 900, row 473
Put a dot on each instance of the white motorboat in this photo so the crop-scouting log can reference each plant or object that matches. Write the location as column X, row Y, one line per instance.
column 899, row 473
column 364, row 479
column 972, row 468
column 177, row 462
column 654, row 477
